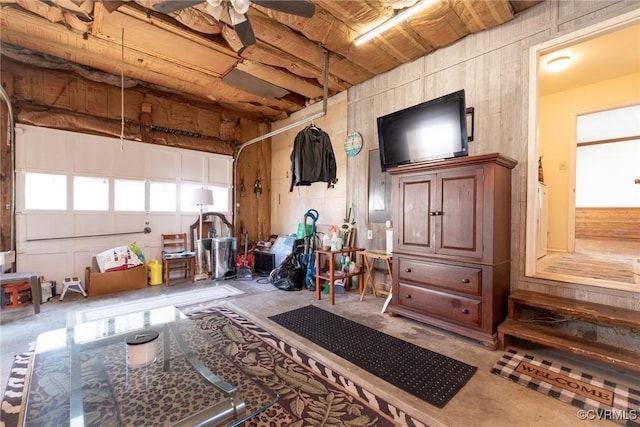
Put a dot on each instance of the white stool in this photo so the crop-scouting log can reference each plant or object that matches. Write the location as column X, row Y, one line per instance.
column 73, row 285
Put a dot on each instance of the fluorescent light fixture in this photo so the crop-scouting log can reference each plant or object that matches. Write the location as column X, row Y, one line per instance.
column 558, row 64
column 404, row 15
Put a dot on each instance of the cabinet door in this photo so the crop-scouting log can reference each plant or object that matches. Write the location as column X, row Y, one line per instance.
column 416, row 195
column 458, row 218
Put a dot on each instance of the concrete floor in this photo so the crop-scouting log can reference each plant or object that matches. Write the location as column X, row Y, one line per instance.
column 487, row 400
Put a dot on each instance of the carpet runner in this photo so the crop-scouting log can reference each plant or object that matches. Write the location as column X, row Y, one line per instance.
column 428, row 375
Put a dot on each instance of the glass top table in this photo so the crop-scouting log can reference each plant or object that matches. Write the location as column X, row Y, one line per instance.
column 81, row 376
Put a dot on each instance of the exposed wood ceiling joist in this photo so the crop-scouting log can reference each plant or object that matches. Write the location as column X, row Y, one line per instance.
column 189, row 52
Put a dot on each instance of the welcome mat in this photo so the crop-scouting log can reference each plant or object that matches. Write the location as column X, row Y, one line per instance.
column 311, row 393
column 598, row 399
column 175, row 299
column 423, row 373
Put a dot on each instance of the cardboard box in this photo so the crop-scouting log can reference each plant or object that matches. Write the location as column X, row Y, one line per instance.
column 97, row 283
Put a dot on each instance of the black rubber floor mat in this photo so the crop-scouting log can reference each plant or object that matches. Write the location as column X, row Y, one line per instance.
column 425, row 374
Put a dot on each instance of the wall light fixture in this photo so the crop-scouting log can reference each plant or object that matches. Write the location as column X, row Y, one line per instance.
column 558, row 63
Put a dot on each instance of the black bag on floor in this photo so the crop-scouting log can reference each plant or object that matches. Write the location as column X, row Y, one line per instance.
column 289, row 276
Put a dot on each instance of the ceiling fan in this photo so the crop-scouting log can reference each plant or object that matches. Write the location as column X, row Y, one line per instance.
column 237, row 10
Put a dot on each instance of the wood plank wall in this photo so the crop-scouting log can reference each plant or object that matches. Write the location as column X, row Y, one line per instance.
column 493, row 67
column 608, row 223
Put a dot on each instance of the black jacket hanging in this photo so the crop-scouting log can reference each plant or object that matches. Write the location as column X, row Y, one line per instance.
column 312, row 158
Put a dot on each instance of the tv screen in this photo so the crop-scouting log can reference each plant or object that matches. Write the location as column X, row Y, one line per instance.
column 433, row 130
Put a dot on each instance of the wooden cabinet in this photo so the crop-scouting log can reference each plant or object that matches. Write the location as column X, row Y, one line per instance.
column 452, row 247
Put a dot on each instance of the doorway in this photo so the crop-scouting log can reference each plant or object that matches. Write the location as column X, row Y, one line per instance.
column 593, row 82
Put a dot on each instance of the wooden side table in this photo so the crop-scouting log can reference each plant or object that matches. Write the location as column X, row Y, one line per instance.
column 369, row 258
column 331, row 275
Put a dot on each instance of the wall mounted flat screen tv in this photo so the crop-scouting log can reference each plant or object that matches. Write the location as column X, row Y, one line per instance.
column 432, row 130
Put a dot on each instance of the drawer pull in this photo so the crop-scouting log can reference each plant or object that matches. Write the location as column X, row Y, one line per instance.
column 435, row 213
column 408, row 270
column 464, row 311
column 465, row 280
column 408, row 296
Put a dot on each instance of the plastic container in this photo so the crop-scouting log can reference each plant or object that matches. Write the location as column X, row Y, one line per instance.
column 142, row 348
column 155, row 272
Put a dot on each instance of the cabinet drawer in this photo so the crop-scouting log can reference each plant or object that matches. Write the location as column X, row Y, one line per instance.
column 433, row 303
column 460, row 279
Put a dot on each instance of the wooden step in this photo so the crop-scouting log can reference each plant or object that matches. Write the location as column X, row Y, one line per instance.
column 546, row 336
column 586, row 310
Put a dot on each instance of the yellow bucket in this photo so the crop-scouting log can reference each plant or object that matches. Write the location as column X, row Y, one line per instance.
column 155, row 272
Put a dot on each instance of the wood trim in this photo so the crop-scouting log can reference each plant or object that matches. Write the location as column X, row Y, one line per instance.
column 609, row 141
column 608, row 223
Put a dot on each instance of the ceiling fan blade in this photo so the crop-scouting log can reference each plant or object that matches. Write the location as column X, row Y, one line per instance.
column 303, row 8
column 168, row 6
column 245, row 32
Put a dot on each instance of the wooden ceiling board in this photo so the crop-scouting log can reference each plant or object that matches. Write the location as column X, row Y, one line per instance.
column 198, row 21
column 280, row 78
column 283, row 38
column 270, row 56
column 24, row 30
column 188, row 51
column 163, row 44
column 274, row 57
column 103, row 55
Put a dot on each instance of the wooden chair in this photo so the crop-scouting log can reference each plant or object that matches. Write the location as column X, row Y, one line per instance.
column 173, row 259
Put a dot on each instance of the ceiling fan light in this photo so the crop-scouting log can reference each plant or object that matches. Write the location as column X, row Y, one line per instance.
column 215, row 11
column 240, row 6
column 236, row 17
column 558, row 64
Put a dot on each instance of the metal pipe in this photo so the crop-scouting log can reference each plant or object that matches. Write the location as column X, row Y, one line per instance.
column 278, row 131
column 325, row 93
column 146, row 230
column 11, row 141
